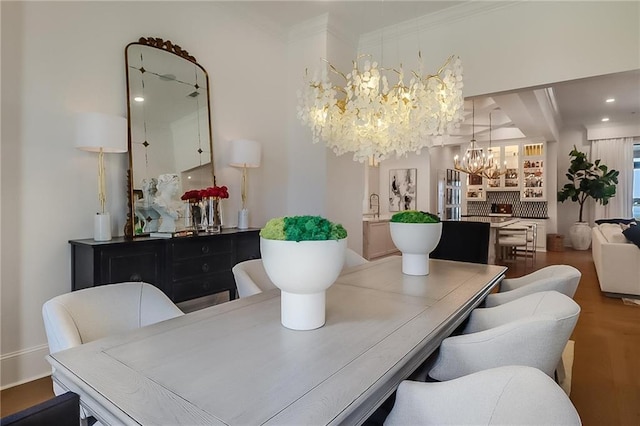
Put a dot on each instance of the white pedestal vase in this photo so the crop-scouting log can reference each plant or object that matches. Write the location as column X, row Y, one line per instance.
column 580, row 235
column 303, row 271
column 415, row 241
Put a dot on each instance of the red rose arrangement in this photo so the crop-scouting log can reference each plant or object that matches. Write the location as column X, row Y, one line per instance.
column 212, row 191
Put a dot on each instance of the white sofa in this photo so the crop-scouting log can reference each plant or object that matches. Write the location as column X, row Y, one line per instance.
column 617, row 261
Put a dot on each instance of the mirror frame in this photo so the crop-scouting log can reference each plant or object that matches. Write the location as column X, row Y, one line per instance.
column 169, row 47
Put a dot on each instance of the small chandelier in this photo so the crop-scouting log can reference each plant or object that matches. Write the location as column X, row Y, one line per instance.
column 474, row 162
column 368, row 117
column 493, row 171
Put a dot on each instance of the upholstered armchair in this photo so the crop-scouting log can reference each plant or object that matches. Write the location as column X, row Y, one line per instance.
column 532, row 330
column 513, row 395
column 83, row 316
column 251, row 278
column 561, row 278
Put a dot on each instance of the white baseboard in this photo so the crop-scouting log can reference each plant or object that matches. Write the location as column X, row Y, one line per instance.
column 24, row 366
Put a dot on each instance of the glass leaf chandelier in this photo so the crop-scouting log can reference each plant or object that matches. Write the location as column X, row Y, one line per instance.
column 474, row 161
column 370, row 118
column 493, row 171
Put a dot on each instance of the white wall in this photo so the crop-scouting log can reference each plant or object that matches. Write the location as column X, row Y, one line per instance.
column 60, row 58
column 307, row 162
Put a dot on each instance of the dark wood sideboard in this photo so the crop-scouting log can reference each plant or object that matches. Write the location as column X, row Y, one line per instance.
column 183, row 268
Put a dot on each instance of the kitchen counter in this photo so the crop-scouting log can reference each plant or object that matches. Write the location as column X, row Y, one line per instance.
column 372, row 218
column 496, row 222
column 515, row 217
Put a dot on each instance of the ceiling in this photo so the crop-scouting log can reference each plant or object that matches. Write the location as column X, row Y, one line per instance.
column 533, row 112
column 540, row 112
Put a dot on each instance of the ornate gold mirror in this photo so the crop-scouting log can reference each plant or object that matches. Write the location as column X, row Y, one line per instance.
column 169, row 126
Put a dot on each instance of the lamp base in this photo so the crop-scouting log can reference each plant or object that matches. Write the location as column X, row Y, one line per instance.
column 102, row 227
column 243, row 219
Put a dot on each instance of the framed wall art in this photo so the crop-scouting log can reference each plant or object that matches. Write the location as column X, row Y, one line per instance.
column 402, row 189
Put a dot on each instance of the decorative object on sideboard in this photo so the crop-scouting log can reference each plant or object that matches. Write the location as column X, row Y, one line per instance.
column 204, row 208
column 246, row 154
column 474, row 161
column 166, row 203
column 586, row 180
column 367, row 116
column 416, row 234
column 147, row 219
column 101, row 133
column 303, row 256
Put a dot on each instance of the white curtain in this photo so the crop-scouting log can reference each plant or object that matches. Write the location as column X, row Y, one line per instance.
column 616, row 154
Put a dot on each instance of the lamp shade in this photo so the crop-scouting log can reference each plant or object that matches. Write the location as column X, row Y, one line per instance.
column 245, row 153
column 95, row 130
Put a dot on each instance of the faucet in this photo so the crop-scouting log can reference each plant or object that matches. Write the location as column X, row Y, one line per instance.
column 377, row 204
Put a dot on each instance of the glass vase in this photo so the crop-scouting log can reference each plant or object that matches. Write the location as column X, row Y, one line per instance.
column 213, row 217
column 193, row 215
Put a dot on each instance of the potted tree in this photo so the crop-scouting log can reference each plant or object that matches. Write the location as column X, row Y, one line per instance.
column 303, row 256
column 586, row 180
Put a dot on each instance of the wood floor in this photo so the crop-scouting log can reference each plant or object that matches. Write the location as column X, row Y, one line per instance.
column 606, row 370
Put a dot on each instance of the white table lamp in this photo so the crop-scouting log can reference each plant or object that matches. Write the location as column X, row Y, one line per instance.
column 245, row 154
column 97, row 132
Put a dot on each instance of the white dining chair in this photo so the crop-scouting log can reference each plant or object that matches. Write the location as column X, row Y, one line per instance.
column 509, row 395
column 251, row 278
column 561, row 278
column 83, row 316
column 532, row 330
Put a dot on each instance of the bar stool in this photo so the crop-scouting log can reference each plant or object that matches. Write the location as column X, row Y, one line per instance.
column 512, row 240
column 533, row 236
column 509, row 239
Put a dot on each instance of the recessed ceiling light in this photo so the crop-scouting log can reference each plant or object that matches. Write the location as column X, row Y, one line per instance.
column 605, row 119
column 610, row 100
column 138, row 99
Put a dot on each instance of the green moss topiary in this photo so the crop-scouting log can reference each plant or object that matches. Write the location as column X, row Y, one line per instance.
column 302, row 228
column 414, row 216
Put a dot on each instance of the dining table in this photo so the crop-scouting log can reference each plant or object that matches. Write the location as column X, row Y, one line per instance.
column 235, row 364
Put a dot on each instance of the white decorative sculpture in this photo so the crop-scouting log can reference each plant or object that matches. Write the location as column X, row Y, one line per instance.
column 166, row 201
column 149, row 217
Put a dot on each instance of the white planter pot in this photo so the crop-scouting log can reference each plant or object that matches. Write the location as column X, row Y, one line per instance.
column 580, row 235
column 303, row 271
column 415, row 241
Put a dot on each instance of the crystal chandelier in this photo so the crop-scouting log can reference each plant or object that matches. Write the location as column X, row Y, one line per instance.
column 474, row 161
column 370, row 118
column 493, row 171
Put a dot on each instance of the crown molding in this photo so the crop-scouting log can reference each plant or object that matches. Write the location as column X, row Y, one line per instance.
column 320, row 25
column 433, row 20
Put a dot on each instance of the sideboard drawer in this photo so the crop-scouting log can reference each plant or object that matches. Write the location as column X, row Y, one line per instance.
column 203, row 286
column 201, row 266
column 193, row 247
column 135, row 266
